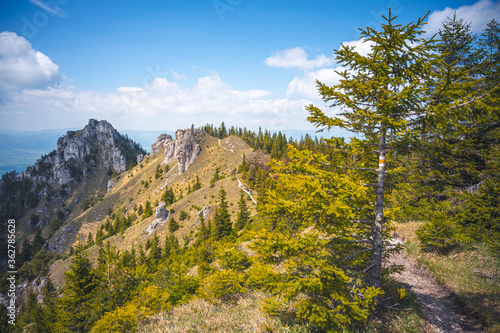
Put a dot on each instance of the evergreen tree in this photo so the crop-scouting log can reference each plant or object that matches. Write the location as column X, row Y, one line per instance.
column 78, row 295
column 197, row 184
column 98, row 237
column 222, row 133
column 35, row 314
column 148, row 210
column 49, row 293
column 168, row 196
column 215, row 177
column 243, row 214
column 393, row 95
column 38, row 241
column 173, row 226
column 317, row 235
column 222, row 220
column 90, row 240
column 155, row 251
column 204, row 230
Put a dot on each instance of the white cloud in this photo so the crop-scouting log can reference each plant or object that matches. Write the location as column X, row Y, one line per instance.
column 54, row 10
column 305, row 86
column 23, row 67
column 159, row 105
column 297, row 57
column 478, row 14
column 362, row 46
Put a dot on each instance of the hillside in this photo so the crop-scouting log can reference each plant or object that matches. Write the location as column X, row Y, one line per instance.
column 130, row 191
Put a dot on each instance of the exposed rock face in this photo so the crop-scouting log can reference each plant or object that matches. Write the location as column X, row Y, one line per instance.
column 80, row 153
column 162, row 214
column 140, row 158
column 205, row 211
column 111, row 183
column 184, row 147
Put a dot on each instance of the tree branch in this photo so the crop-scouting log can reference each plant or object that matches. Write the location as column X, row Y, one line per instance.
column 357, row 253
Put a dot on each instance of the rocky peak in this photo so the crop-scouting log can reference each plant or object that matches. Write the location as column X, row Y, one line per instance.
column 97, row 146
column 184, row 147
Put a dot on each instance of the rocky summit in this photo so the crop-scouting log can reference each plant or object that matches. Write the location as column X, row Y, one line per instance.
column 184, row 147
column 79, row 153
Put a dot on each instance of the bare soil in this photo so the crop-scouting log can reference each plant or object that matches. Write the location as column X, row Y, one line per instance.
column 443, row 310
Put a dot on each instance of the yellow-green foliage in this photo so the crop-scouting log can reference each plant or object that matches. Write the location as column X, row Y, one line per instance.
column 126, row 318
column 232, row 258
column 154, row 299
column 223, row 284
column 122, row 319
column 312, row 244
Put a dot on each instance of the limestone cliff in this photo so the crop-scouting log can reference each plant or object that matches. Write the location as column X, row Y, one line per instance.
column 98, row 146
column 184, row 147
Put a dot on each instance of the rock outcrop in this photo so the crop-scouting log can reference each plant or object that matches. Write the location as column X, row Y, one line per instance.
column 184, row 147
column 162, row 213
column 79, row 153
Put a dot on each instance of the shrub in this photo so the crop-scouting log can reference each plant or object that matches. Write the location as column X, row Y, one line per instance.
column 183, row 215
column 122, row 319
column 223, row 285
column 442, row 232
column 231, row 258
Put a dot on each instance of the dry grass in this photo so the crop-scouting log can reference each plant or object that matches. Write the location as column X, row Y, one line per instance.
column 129, row 186
column 202, row 316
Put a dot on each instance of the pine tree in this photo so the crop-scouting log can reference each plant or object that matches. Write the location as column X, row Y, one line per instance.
column 173, row 226
column 168, row 196
column 38, row 241
column 78, row 294
column 393, row 95
column 243, row 214
column 222, row 220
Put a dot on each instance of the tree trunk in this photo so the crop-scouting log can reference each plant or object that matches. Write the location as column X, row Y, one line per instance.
column 379, row 214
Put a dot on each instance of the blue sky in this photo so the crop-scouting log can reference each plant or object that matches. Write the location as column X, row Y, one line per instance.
column 163, row 65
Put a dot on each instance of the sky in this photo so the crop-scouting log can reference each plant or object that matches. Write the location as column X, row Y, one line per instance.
column 164, row 65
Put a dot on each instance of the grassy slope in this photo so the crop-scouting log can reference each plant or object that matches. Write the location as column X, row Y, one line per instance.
column 455, row 271
column 129, row 191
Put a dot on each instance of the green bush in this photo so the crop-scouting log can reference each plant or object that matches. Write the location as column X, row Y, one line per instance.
column 223, row 285
column 442, row 232
column 231, row 258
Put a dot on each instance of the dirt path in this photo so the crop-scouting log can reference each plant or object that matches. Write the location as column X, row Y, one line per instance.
column 442, row 308
column 240, row 184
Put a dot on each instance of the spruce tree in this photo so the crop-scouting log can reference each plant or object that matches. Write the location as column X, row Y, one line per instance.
column 173, row 226
column 168, row 196
column 222, row 220
column 243, row 214
column 76, row 304
column 38, row 241
column 393, row 95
